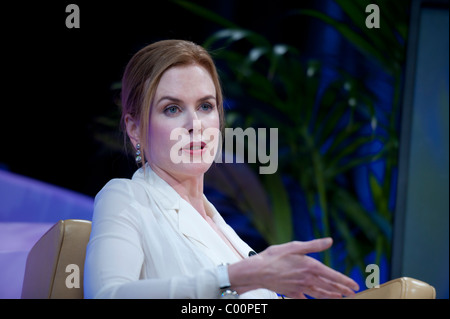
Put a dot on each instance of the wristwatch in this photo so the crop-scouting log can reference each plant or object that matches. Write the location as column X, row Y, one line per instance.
column 222, row 272
column 224, row 283
column 229, row 294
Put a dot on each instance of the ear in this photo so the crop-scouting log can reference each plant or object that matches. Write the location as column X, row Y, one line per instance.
column 133, row 131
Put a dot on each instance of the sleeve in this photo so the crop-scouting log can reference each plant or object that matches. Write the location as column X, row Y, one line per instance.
column 114, row 255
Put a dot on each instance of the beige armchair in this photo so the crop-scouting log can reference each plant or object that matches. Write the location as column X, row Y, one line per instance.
column 400, row 288
column 46, row 272
column 46, row 268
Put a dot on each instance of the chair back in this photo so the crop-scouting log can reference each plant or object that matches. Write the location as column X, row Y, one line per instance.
column 55, row 264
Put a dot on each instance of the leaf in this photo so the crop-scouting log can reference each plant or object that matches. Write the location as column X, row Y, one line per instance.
column 241, row 184
column 381, row 201
column 354, row 211
column 349, row 149
column 280, row 206
column 372, row 224
column 236, row 34
column 356, row 39
column 381, row 38
column 351, row 243
column 377, row 191
column 329, row 122
column 344, row 134
column 334, row 171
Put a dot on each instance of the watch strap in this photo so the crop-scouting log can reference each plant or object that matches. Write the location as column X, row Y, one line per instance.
column 222, row 274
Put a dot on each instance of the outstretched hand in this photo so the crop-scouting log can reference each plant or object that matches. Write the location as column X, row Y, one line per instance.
column 288, row 270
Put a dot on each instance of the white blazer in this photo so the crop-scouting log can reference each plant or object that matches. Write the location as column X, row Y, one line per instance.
column 148, row 242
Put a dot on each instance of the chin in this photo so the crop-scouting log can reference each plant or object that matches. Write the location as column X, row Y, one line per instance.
column 193, row 169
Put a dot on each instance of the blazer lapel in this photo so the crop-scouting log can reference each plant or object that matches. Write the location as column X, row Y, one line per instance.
column 197, row 229
column 186, row 219
column 229, row 232
column 193, row 226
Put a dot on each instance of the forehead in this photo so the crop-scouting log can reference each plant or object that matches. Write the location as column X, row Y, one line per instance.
column 187, row 81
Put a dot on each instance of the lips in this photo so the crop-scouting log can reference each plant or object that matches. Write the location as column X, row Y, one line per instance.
column 194, row 147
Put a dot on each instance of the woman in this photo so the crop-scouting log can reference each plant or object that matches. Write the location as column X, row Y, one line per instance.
column 156, row 235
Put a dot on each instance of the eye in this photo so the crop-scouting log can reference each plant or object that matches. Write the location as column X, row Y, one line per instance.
column 171, row 110
column 206, row 107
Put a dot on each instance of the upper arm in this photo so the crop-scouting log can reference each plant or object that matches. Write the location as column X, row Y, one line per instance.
column 114, row 255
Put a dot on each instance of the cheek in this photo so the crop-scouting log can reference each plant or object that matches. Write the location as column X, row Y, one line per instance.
column 213, row 120
column 159, row 138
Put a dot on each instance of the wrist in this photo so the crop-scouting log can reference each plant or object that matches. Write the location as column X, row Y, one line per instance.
column 224, row 283
column 244, row 275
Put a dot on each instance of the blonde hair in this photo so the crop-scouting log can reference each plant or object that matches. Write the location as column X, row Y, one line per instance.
column 144, row 71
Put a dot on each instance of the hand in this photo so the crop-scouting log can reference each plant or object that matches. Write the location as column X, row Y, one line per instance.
column 287, row 270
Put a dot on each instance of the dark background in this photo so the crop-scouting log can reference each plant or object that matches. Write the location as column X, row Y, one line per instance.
column 58, row 80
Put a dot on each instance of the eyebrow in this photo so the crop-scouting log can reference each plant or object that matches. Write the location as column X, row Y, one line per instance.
column 177, row 100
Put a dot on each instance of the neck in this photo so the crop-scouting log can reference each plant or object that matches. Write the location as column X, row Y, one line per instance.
column 190, row 188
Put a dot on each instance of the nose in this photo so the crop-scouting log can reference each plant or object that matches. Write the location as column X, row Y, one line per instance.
column 191, row 116
column 193, row 124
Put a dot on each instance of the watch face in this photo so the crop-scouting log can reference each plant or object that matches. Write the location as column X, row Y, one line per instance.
column 229, row 294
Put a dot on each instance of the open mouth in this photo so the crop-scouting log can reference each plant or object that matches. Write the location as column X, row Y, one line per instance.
column 195, row 147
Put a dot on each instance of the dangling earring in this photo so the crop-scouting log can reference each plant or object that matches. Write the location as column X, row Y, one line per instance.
column 138, row 153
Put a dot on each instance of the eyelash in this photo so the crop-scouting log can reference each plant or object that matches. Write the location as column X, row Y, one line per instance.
column 210, row 106
column 166, row 110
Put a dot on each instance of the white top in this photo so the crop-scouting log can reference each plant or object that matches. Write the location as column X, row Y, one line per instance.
column 148, row 242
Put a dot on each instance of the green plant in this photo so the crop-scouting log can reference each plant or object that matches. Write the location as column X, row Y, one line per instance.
column 385, row 46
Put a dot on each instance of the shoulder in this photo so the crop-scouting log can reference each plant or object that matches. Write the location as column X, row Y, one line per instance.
column 122, row 187
column 116, row 187
column 117, row 195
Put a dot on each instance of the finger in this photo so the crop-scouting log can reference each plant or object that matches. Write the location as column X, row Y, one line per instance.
column 308, row 247
column 320, row 293
column 320, row 288
column 296, row 295
column 335, row 276
column 335, row 288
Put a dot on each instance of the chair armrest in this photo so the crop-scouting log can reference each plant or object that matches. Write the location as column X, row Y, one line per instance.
column 400, row 288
